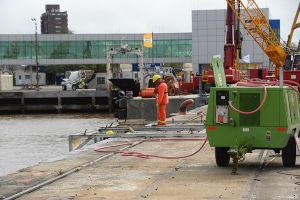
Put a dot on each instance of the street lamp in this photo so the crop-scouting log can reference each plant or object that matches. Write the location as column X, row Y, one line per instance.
column 121, row 42
column 36, row 56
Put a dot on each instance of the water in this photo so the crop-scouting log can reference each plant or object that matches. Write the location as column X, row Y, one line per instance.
column 26, row 140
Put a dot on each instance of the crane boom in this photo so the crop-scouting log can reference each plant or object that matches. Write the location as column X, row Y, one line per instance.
column 259, row 28
column 295, row 25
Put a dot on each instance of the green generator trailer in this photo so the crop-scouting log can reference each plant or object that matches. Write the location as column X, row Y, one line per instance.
column 244, row 117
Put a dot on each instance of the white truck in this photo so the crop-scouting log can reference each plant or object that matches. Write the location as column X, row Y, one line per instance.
column 76, row 79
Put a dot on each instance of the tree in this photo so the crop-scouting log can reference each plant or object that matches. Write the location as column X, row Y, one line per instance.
column 13, row 51
column 10, row 69
column 65, row 30
column 62, row 51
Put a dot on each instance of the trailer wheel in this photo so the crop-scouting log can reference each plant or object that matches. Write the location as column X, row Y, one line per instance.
column 289, row 152
column 74, row 87
column 221, row 155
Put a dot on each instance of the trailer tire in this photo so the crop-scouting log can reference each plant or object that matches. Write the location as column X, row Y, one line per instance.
column 221, row 156
column 289, row 152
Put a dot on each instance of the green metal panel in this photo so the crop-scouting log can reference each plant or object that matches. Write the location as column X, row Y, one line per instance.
column 249, row 102
column 209, row 121
column 218, row 70
column 272, row 105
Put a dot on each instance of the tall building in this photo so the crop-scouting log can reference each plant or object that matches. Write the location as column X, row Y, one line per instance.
column 53, row 21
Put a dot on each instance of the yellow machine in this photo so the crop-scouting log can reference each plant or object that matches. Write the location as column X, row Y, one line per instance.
column 259, row 28
column 295, row 25
column 173, row 88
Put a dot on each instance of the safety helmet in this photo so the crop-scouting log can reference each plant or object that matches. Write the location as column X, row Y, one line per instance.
column 155, row 77
column 109, row 132
column 121, row 93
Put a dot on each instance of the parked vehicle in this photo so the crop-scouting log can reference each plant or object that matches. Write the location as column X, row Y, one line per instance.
column 77, row 79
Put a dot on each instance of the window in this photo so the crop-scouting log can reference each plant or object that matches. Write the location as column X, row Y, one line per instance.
column 57, row 26
column 20, row 77
column 57, row 31
column 57, row 18
column 57, row 22
column 27, row 76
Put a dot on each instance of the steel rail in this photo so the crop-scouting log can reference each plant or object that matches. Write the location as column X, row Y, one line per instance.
column 80, row 167
column 175, row 127
column 252, row 185
column 136, row 131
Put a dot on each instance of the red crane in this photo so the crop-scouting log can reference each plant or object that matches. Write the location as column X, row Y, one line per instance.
column 232, row 49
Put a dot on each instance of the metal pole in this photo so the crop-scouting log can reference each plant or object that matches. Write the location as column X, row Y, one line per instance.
column 36, row 57
column 30, row 77
column 121, row 42
column 200, row 88
column 281, row 76
column 142, row 75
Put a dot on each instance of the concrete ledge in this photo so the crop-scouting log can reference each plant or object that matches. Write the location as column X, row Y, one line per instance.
column 54, row 100
column 145, row 108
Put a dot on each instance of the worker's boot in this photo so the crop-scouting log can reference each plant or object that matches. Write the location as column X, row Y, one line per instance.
column 161, row 124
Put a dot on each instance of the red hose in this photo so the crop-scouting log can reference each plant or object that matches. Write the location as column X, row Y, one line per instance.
column 142, row 155
column 250, row 84
column 258, row 82
column 295, row 83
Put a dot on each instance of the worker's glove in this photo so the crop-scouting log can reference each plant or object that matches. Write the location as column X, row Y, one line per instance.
column 157, row 105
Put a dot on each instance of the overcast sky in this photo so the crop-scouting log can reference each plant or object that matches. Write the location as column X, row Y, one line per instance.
column 129, row 16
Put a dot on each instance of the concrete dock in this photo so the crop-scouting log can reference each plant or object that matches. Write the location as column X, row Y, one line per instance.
column 54, row 99
column 89, row 174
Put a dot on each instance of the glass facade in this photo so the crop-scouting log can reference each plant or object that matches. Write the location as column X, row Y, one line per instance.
column 275, row 24
column 92, row 49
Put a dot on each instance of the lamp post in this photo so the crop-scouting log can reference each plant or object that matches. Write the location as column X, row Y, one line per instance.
column 121, row 42
column 36, row 56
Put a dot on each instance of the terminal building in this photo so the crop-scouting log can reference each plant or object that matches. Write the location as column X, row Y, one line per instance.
column 206, row 39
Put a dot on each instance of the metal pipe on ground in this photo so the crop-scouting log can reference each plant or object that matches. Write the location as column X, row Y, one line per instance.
column 183, row 106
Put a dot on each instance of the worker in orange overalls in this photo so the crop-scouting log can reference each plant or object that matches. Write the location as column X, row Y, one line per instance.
column 162, row 99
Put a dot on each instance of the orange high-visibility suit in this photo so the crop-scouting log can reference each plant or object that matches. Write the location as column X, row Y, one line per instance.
column 162, row 100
